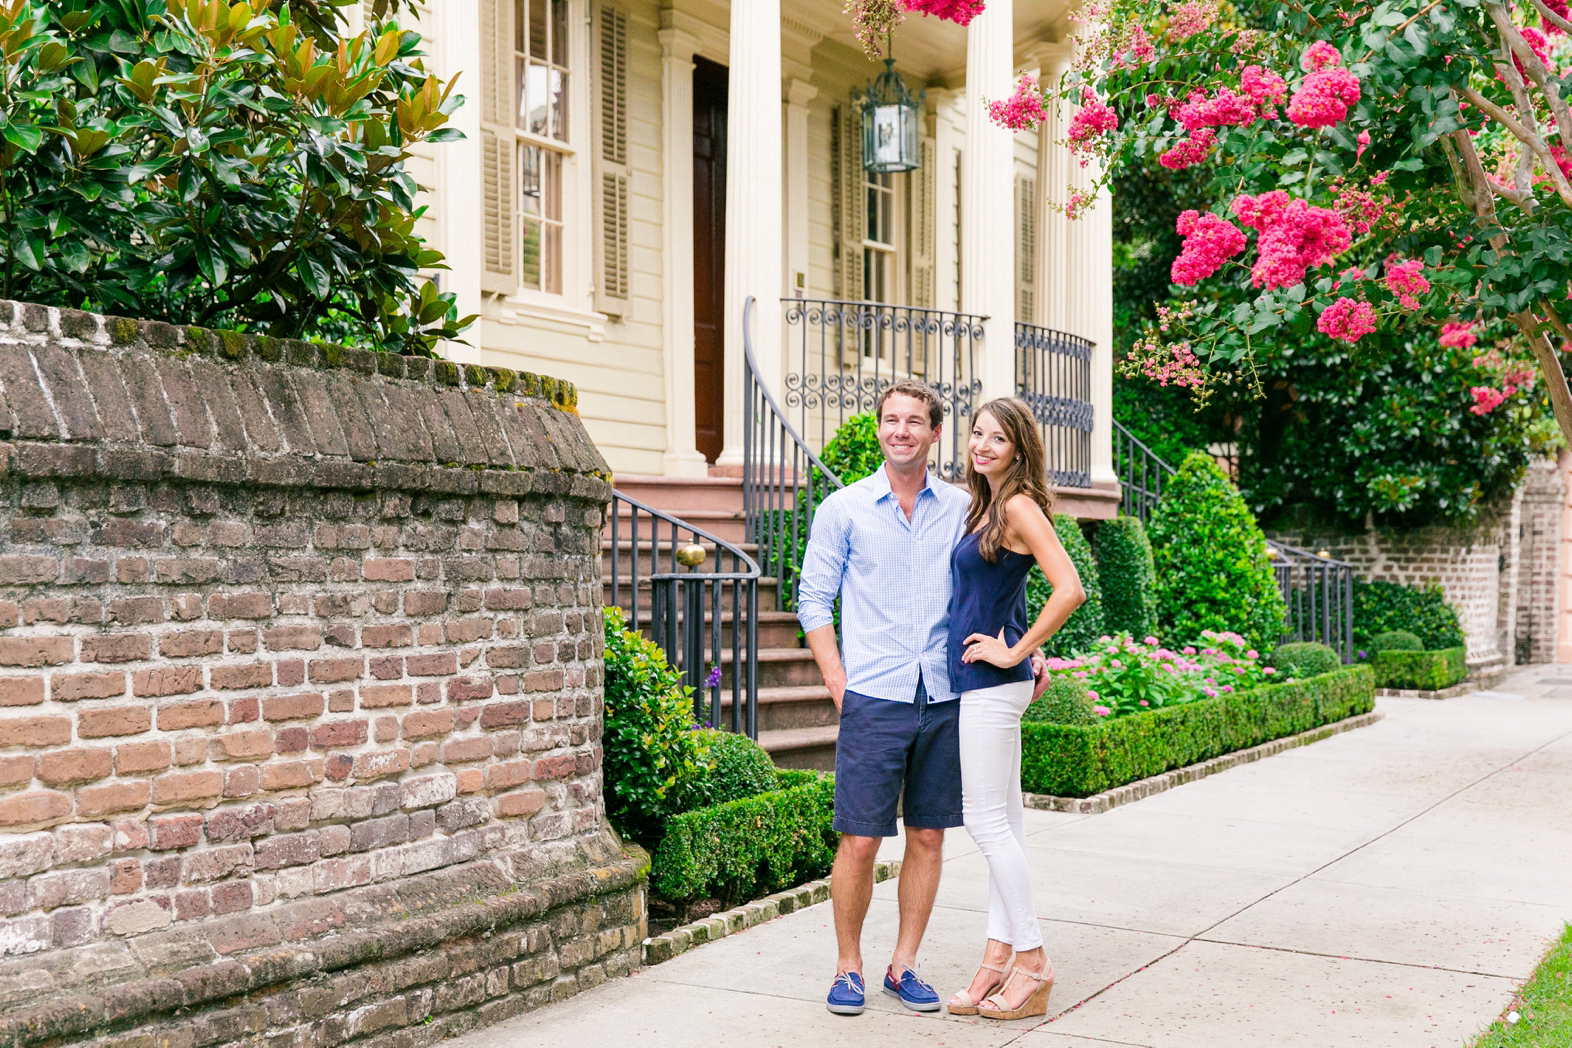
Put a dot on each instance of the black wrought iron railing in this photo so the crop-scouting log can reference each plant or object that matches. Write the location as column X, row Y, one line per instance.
column 698, row 596
column 1319, row 592
column 1141, row 474
column 783, row 481
column 840, row 356
column 1053, row 375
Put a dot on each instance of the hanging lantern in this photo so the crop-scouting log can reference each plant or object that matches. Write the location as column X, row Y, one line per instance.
column 890, row 121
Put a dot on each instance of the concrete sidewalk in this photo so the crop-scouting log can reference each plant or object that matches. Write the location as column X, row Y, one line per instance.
column 1386, row 887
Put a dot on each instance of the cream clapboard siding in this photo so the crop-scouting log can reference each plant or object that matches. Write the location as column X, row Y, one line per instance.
column 620, row 379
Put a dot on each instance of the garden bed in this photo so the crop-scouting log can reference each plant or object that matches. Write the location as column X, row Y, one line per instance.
column 1064, row 760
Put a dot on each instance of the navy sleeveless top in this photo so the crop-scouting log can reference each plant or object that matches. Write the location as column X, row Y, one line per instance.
column 985, row 598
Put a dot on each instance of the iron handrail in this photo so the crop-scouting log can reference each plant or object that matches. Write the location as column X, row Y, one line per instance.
column 1053, row 375
column 1141, row 474
column 683, row 602
column 783, row 481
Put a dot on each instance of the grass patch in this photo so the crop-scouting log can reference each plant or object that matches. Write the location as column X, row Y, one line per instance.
column 1543, row 1005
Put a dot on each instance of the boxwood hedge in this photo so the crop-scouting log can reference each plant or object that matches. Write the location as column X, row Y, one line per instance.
column 1073, row 761
column 749, row 847
column 1420, row 670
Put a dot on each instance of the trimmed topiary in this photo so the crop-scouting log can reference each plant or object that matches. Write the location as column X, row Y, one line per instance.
column 1421, row 610
column 1304, row 659
column 648, row 739
column 1210, row 557
column 1396, row 640
column 1085, row 624
column 729, row 767
column 1065, row 702
column 1128, row 577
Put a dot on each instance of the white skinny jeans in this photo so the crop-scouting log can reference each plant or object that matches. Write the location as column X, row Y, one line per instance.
column 990, row 740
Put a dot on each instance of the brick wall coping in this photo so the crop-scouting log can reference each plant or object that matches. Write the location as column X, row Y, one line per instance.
column 84, row 395
column 384, row 922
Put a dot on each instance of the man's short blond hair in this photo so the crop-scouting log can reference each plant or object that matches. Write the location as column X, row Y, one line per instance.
column 917, row 391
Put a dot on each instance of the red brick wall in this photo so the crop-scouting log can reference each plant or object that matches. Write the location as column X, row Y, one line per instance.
column 274, row 624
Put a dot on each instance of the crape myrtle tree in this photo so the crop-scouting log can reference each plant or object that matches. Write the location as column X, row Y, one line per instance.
column 1398, row 166
column 232, row 165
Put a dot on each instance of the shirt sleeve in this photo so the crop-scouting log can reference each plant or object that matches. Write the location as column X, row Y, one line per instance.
column 823, row 566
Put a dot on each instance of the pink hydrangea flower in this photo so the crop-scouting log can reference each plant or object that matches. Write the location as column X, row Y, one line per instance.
column 961, row 12
column 1187, row 650
column 1153, row 640
column 1459, row 335
column 1145, row 703
column 1347, row 319
column 1324, row 98
column 1093, row 118
column 1189, row 151
column 1269, row 671
column 1319, row 56
column 1486, row 399
column 1209, row 241
column 1101, row 711
column 1091, row 694
column 1406, row 280
column 1225, row 109
column 1252, row 654
column 1228, row 687
column 1021, row 111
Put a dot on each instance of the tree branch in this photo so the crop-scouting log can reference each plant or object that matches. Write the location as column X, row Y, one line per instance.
column 1550, row 369
column 1536, row 69
column 1525, row 135
column 1551, row 17
column 1555, row 320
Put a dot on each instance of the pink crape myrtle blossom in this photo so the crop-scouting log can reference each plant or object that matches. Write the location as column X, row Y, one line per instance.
column 1188, row 152
column 1539, row 45
column 1319, row 56
column 1486, row 399
column 1077, row 203
column 1347, row 319
column 1458, row 336
column 1360, row 208
column 961, row 12
column 1560, row 8
column 1324, row 98
column 1226, row 109
column 1295, row 237
column 1022, row 110
column 1095, row 117
column 1209, row 241
column 1363, row 143
column 1192, row 17
column 1406, row 280
column 1265, row 88
column 1140, row 50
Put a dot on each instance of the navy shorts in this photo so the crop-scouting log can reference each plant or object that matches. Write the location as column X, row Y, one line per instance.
column 886, row 747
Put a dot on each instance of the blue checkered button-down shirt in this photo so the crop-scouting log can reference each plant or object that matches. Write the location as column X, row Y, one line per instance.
column 893, row 577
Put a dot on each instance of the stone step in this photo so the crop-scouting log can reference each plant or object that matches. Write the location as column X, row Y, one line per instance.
column 802, row 747
column 776, row 629
column 722, row 523
column 682, row 496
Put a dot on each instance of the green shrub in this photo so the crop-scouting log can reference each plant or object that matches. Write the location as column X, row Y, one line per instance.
column 728, row 767
column 851, row 454
column 1210, row 556
column 1420, row 670
column 1074, row 761
column 1065, row 702
column 1085, row 624
column 649, row 745
column 854, row 451
column 1128, row 577
column 748, row 847
column 1396, row 640
column 1383, row 606
column 1304, row 659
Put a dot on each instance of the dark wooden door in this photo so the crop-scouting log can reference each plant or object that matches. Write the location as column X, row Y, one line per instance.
column 709, row 255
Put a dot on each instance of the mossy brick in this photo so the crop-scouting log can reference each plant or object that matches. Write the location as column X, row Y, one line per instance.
column 529, row 384
column 79, row 325
column 159, row 335
column 418, row 369
column 234, row 345
column 390, row 365
column 360, row 361
column 269, row 349
column 201, row 342
column 302, row 354
column 447, row 372
column 122, row 330
column 503, row 379
column 475, row 376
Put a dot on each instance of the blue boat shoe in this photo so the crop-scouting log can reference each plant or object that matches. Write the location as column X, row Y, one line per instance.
column 913, row 992
column 847, row 994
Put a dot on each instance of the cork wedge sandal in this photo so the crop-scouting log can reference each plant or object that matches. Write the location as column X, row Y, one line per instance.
column 996, row 1007
column 969, row 1007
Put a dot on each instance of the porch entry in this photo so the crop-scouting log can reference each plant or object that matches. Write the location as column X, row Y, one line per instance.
column 709, row 255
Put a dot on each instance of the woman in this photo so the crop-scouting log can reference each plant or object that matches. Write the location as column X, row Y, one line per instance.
column 1008, row 530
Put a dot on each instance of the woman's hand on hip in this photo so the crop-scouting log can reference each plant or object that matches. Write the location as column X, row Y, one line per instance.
column 982, row 648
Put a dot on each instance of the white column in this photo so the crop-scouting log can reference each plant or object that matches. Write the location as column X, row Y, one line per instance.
column 988, row 195
column 458, row 172
column 753, row 203
column 798, row 95
column 682, row 458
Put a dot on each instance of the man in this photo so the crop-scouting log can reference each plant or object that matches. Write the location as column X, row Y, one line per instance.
column 883, row 544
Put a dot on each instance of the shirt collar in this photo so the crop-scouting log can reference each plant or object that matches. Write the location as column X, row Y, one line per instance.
column 881, row 484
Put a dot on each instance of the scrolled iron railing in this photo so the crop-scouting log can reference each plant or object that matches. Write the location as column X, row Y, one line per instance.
column 1317, row 590
column 841, row 355
column 1053, row 375
column 704, row 620
column 783, row 481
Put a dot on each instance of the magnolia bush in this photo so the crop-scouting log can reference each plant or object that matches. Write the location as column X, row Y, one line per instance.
column 1394, row 166
column 226, row 165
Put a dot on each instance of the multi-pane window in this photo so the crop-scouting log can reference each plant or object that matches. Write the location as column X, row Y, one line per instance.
column 541, row 78
column 878, row 244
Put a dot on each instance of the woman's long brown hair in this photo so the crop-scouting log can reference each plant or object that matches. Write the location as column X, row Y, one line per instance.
column 1027, row 474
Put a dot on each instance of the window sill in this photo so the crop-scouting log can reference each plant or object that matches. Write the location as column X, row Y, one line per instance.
column 518, row 309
